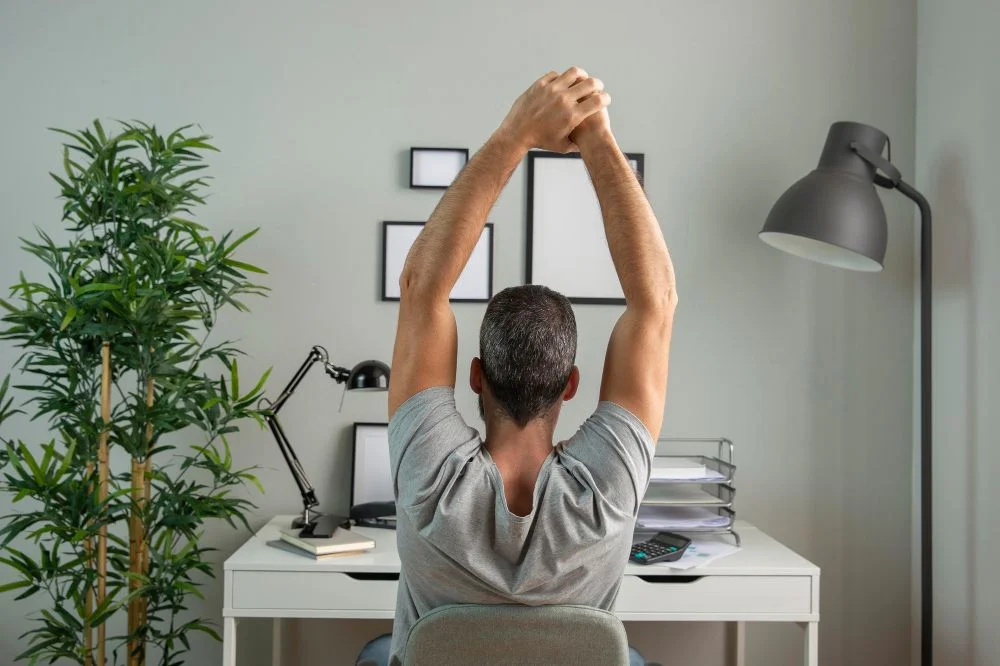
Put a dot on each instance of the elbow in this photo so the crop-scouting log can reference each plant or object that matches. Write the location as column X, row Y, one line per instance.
column 407, row 279
column 657, row 303
column 414, row 285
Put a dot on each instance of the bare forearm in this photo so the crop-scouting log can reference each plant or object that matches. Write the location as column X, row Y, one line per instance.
column 440, row 253
column 637, row 247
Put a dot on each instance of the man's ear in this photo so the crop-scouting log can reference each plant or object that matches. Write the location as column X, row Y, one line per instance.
column 572, row 384
column 476, row 376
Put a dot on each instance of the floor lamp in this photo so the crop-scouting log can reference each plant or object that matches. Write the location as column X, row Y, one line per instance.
column 834, row 216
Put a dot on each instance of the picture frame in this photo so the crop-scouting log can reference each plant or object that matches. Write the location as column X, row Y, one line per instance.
column 563, row 206
column 436, row 168
column 475, row 284
column 371, row 474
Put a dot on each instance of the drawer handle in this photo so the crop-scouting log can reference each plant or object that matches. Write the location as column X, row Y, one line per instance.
column 361, row 575
column 669, row 579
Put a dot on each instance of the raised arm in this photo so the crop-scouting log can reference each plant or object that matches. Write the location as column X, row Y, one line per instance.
column 635, row 367
column 426, row 336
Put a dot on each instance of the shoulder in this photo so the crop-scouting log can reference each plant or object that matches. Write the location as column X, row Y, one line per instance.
column 435, row 402
column 612, row 421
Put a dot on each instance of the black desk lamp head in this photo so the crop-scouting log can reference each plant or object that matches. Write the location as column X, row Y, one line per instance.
column 834, row 216
column 365, row 376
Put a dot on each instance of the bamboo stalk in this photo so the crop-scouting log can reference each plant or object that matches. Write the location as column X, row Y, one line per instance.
column 147, row 481
column 102, row 492
column 88, row 548
column 134, row 559
column 147, row 491
column 138, row 555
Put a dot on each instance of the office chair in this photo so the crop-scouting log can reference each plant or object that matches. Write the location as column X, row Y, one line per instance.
column 511, row 635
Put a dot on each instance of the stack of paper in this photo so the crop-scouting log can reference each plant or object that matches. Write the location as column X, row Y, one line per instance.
column 671, row 468
column 679, row 518
column 679, row 493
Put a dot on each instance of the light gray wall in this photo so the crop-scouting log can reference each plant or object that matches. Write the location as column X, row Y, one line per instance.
column 958, row 145
column 314, row 104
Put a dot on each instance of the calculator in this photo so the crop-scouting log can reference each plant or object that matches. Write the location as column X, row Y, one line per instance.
column 664, row 547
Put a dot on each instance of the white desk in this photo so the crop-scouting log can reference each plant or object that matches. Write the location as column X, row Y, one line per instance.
column 764, row 582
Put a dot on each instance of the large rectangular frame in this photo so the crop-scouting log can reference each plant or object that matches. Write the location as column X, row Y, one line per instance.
column 488, row 231
column 571, row 226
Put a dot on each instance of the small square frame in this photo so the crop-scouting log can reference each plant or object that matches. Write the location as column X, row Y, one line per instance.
column 394, row 253
column 569, row 211
column 436, row 168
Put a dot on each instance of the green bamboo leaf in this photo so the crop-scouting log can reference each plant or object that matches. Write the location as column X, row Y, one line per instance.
column 98, row 286
column 205, row 629
column 16, row 585
column 67, row 458
column 258, row 388
column 256, row 482
column 197, row 142
column 32, row 590
column 234, row 379
column 70, row 316
column 242, row 265
column 239, row 241
column 25, row 453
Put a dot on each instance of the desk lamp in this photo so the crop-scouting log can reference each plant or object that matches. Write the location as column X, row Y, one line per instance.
column 365, row 376
column 834, row 216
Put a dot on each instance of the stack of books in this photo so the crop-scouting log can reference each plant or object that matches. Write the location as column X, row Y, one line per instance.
column 343, row 543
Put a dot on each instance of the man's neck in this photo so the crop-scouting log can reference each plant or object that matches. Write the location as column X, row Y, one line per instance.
column 519, row 454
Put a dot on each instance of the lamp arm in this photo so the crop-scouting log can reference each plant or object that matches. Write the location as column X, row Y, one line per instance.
column 306, row 489
column 316, row 355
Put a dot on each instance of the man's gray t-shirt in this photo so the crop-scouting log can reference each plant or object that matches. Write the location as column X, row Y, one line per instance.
column 458, row 542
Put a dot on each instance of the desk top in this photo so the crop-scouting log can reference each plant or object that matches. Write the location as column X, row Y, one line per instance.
column 760, row 556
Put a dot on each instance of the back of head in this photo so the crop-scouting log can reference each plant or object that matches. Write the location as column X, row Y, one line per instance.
column 527, row 345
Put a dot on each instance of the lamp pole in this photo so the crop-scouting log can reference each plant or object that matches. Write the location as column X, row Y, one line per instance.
column 833, row 216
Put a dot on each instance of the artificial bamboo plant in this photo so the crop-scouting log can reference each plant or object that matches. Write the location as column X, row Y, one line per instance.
column 118, row 361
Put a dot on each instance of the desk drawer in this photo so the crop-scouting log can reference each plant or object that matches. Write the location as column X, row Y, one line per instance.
column 311, row 591
column 715, row 595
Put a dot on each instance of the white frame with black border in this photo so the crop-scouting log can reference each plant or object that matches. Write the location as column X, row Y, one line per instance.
column 436, row 168
column 565, row 245
column 475, row 284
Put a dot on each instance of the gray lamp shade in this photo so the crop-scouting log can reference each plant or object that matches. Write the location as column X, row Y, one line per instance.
column 369, row 376
column 833, row 214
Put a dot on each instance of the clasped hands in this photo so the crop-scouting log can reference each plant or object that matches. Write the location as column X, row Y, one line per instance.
column 559, row 112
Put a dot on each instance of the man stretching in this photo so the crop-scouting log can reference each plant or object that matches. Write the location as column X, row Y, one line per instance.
column 513, row 518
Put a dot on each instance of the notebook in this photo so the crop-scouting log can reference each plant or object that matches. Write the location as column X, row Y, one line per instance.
column 342, row 541
column 295, row 550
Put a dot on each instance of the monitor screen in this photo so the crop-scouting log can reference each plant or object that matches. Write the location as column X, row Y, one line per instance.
column 372, row 478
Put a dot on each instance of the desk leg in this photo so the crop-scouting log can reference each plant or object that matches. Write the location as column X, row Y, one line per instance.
column 229, row 641
column 737, row 643
column 812, row 643
column 277, row 631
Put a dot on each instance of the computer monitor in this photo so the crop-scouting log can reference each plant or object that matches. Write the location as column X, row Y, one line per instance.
column 371, row 479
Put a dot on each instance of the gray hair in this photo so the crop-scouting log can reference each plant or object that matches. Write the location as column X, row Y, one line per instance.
column 527, row 345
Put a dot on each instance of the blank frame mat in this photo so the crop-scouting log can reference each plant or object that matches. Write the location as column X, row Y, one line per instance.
column 569, row 248
column 437, row 168
column 473, row 283
column 372, row 474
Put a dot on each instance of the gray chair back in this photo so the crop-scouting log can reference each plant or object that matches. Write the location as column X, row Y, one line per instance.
column 464, row 634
